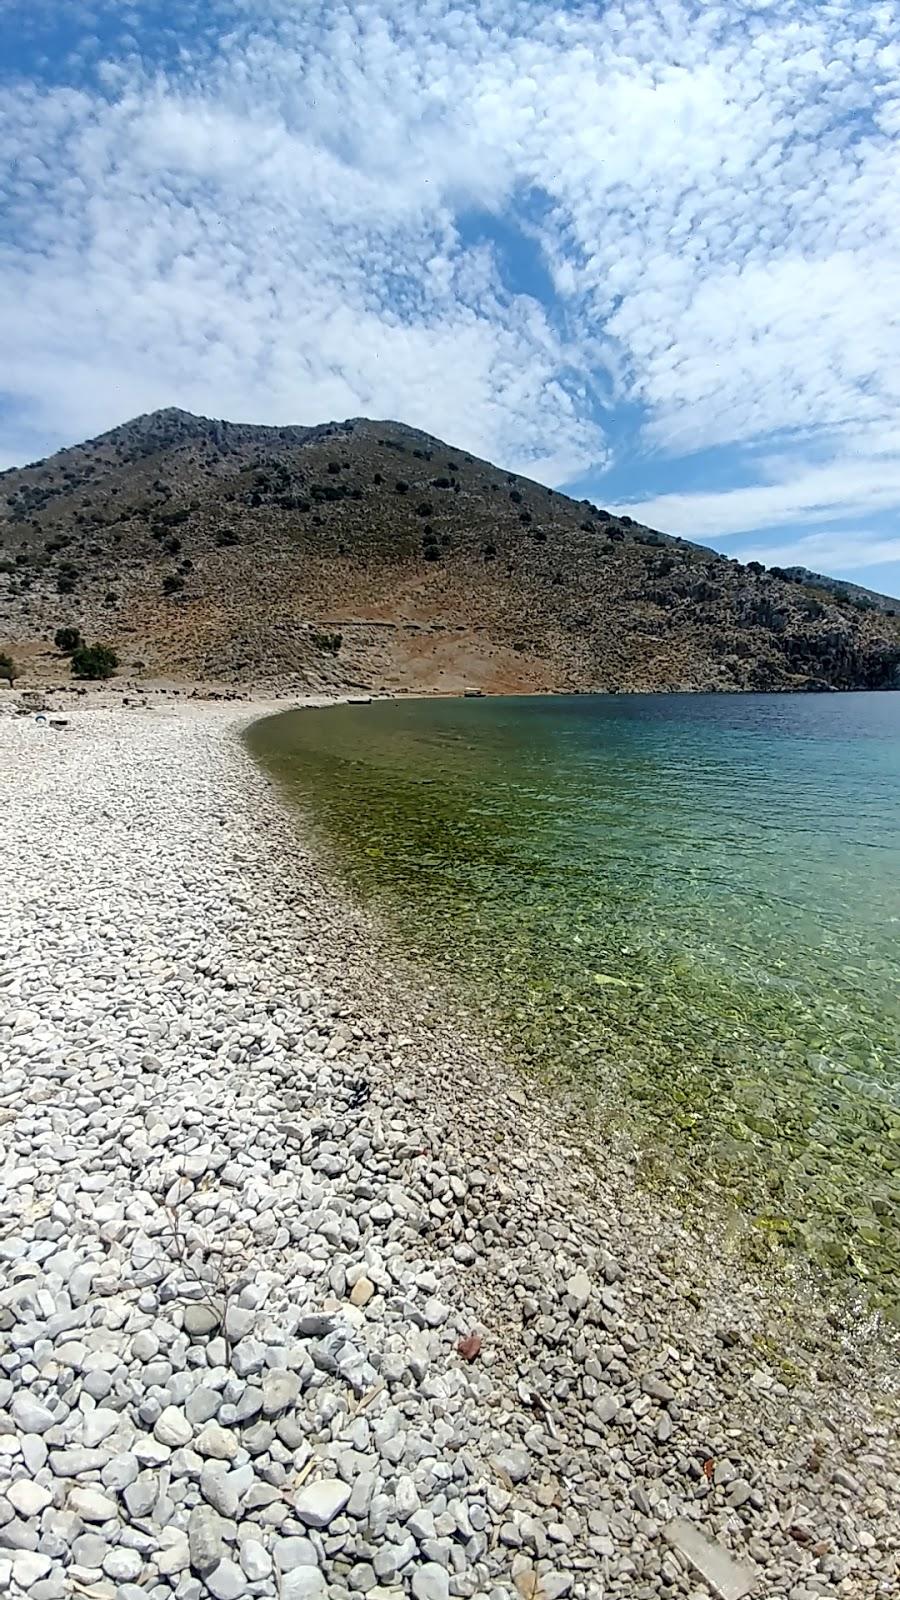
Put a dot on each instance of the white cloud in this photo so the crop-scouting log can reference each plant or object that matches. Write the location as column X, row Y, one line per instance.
column 832, row 552
column 795, row 494
column 263, row 216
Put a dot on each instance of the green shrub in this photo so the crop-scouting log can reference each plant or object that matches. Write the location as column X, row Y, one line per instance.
column 8, row 669
column 67, row 640
column 94, row 661
column 172, row 583
column 329, row 642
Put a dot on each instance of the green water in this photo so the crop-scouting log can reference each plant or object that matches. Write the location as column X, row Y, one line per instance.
column 685, row 908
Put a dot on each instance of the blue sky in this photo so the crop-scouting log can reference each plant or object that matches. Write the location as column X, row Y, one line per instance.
column 648, row 251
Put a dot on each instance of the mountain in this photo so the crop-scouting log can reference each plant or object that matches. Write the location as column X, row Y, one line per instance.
column 368, row 554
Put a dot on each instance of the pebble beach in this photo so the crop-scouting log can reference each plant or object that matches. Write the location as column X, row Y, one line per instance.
column 303, row 1293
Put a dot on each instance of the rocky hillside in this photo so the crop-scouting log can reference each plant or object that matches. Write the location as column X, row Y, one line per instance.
column 840, row 586
column 367, row 554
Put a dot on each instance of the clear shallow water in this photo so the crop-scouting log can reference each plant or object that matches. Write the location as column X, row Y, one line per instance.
column 686, row 906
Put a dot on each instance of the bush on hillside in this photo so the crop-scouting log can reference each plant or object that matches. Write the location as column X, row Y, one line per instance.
column 329, row 642
column 172, row 583
column 67, row 640
column 8, row 669
column 94, row 661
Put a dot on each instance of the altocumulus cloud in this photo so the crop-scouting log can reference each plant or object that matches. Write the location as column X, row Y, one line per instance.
column 652, row 232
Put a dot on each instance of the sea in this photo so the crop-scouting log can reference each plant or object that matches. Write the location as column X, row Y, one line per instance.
column 683, row 910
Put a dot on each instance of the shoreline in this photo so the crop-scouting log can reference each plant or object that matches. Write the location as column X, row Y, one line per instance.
column 383, row 1148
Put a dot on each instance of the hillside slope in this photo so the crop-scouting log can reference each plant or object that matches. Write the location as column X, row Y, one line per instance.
column 231, row 553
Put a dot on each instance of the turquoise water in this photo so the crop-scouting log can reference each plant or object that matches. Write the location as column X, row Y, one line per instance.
column 685, row 908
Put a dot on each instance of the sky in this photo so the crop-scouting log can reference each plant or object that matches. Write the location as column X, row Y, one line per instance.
column 646, row 251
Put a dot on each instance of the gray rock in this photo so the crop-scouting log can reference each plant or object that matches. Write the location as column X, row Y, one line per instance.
column 606, row 1408
column 248, row 1407
column 317, row 1504
column 27, row 1498
column 202, row 1405
column 123, row 1565
column 216, row 1442
column 141, row 1496
column 430, row 1582
column 238, row 1322
column 120, row 1471
column 728, row 1578
column 205, row 1538
column 657, row 1388
column 279, row 1391
column 92, row 1506
column 421, row 1524
column 173, row 1552
column 556, row 1584
column 90, row 1550
column 248, row 1357
column 29, row 1415
column 226, row 1581
column 388, row 1562
column 28, row 1567
column 361, row 1577
column 18, row 1535
column 303, row 1583
column 34, row 1452
column 738, row 1492
column 201, row 1320
column 578, row 1287
column 221, row 1489
column 172, row 1428
column 97, row 1426
column 256, row 1562
column 294, row 1551
column 258, row 1439
column 515, row 1463
column 74, row 1462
